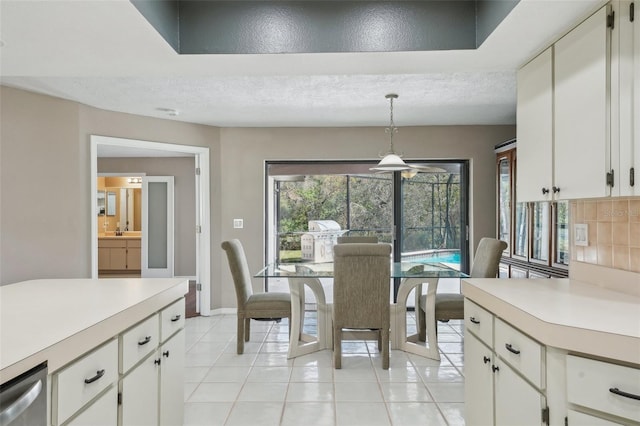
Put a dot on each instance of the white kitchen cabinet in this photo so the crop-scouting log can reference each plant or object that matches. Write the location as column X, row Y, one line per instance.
column 76, row 385
column 629, row 109
column 172, row 380
column 603, row 387
column 582, row 141
column 102, row 412
column 152, row 391
column 535, row 129
column 502, row 388
column 139, row 394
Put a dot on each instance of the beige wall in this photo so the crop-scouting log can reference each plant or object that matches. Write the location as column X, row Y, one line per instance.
column 183, row 169
column 245, row 150
column 42, row 136
column 46, row 233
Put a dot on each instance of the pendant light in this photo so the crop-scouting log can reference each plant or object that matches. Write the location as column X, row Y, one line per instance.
column 391, row 161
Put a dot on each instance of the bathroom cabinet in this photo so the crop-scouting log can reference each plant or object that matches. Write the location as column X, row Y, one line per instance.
column 119, row 254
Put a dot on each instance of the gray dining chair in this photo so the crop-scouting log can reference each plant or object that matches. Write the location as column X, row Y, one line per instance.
column 451, row 305
column 265, row 306
column 356, row 239
column 361, row 285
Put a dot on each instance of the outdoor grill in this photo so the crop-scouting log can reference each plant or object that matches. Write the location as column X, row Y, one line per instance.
column 317, row 244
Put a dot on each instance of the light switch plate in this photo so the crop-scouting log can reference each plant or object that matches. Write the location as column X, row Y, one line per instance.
column 238, row 223
column 581, row 234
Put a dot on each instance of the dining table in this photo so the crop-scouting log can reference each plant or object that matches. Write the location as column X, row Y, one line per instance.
column 406, row 277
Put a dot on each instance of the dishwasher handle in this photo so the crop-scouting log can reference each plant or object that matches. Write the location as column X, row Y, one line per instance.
column 23, row 402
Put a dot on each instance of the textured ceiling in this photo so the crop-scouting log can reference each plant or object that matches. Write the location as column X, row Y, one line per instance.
column 105, row 54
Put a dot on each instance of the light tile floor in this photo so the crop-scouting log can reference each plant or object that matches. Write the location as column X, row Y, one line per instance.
column 262, row 387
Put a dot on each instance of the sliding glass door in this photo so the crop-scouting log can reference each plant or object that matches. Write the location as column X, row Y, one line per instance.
column 423, row 213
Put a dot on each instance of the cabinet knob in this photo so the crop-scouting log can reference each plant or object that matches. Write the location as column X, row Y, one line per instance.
column 99, row 374
column 556, row 189
column 156, row 361
column 474, row 320
column 144, row 341
column 545, row 191
column 511, row 349
column 486, row 359
column 165, row 353
column 495, row 368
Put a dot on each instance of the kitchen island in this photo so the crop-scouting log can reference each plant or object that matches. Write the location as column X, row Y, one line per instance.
column 551, row 351
column 80, row 323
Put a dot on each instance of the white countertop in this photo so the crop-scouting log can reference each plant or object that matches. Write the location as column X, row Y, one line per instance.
column 564, row 313
column 59, row 319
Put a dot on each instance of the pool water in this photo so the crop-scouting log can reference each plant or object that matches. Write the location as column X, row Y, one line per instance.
column 444, row 258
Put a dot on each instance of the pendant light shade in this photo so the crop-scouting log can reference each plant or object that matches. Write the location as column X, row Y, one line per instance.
column 391, row 161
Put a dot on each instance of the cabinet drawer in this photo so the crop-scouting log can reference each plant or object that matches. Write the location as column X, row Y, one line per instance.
column 138, row 342
column 103, row 411
column 479, row 321
column 82, row 380
column 592, row 384
column 523, row 353
column 112, row 243
column 172, row 319
column 134, row 243
column 582, row 419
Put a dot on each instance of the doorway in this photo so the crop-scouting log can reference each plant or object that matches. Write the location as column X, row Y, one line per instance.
column 103, row 146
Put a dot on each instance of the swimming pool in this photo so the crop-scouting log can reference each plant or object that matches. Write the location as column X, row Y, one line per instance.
column 443, row 257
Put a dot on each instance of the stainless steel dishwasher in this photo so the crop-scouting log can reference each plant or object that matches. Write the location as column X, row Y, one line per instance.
column 23, row 399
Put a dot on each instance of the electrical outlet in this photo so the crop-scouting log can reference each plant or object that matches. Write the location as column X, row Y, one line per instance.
column 238, row 223
column 581, row 234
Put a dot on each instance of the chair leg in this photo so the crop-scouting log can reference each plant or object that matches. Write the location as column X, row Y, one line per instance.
column 240, row 332
column 247, row 329
column 337, row 347
column 385, row 348
column 422, row 319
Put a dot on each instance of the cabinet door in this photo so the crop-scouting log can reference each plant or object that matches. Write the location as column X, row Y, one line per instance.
column 118, row 258
column 535, row 129
column 103, row 412
column 104, row 258
column 133, row 258
column 581, row 110
column 172, row 380
column 517, row 402
column 478, row 382
column 140, row 394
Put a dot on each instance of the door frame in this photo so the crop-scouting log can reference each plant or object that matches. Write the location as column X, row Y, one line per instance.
column 203, row 214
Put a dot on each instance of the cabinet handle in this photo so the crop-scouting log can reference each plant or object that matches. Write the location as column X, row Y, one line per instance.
column 556, row 189
column 545, row 191
column 625, row 394
column 511, row 349
column 175, row 318
column 495, row 368
column 156, row 361
column 99, row 374
column 166, row 353
column 474, row 320
column 145, row 341
column 486, row 359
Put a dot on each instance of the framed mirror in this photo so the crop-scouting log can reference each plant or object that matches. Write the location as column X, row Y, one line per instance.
column 101, row 203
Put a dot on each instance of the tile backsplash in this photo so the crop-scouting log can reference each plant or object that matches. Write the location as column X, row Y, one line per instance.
column 613, row 231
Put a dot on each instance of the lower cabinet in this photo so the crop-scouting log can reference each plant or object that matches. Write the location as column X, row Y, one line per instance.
column 135, row 379
column 504, row 373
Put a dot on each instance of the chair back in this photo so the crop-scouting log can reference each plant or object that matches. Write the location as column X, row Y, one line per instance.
column 239, row 270
column 352, row 240
column 487, row 259
column 361, row 285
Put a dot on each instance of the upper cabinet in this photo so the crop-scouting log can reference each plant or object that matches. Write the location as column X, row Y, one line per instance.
column 535, row 129
column 576, row 123
column 582, row 140
column 629, row 101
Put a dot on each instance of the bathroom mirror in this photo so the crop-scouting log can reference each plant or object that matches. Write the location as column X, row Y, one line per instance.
column 119, row 204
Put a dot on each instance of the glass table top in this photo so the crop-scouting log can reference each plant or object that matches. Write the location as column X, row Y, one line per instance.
column 325, row 270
